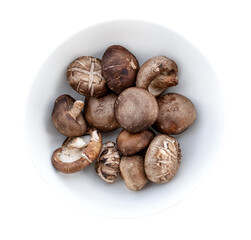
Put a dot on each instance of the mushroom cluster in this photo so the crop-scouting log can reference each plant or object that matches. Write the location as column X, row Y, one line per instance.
column 120, row 93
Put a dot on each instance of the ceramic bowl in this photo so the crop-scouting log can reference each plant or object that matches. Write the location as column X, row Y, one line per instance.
column 199, row 144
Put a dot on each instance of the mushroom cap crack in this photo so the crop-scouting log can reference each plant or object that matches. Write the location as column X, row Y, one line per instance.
column 162, row 159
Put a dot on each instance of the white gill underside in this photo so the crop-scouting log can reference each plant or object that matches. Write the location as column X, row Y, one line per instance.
column 70, row 155
column 155, row 91
column 74, row 149
column 95, row 136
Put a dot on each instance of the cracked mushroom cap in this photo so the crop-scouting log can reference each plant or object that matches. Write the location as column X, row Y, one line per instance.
column 133, row 173
column 162, row 159
column 119, row 68
column 84, row 76
column 107, row 164
column 67, row 116
column 129, row 143
column 136, row 109
column 99, row 112
column 75, row 153
column 157, row 74
column 176, row 114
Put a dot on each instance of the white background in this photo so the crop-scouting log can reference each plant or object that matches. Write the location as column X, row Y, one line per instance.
column 218, row 209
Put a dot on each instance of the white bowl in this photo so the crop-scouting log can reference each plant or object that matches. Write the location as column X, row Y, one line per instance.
column 199, row 144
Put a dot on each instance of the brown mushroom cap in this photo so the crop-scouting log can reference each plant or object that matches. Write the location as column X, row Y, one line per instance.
column 176, row 114
column 132, row 171
column 136, row 109
column 157, row 74
column 107, row 164
column 99, row 112
column 67, row 116
column 84, row 76
column 119, row 68
column 75, row 154
column 162, row 159
column 129, row 144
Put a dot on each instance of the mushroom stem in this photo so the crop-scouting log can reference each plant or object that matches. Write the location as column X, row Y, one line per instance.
column 76, row 108
column 164, row 81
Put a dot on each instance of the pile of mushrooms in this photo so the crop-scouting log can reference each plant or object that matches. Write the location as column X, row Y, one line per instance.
column 120, row 93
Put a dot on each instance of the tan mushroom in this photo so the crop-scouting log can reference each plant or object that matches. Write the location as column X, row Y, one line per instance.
column 119, row 68
column 75, row 153
column 132, row 171
column 162, row 159
column 136, row 109
column 67, row 116
column 176, row 114
column 129, row 143
column 99, row 112
column 107, row 164
column 84, row 76
column 157, row 74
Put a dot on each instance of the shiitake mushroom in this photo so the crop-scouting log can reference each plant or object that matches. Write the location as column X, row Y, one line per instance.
column 119, row 68
column 157, row 74
column 136, row 109
column 99, row 112
column 176, row 114
column 129, row 143
column 67, row 116
column 133, row 173
column 162, row 159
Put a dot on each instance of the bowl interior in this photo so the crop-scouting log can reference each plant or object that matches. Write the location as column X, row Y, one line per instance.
column 199, row 144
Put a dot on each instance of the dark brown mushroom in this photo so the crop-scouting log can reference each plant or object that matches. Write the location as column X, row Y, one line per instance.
column 162, row 159
column 67, row 116
column 176, row 114
column 107, row 164
column 157, row 74
column 129, row 144
column 99, row 112
column 84, row 76
column 75, row 153
column 119, row 68
column 132, row 171
column 136, row 109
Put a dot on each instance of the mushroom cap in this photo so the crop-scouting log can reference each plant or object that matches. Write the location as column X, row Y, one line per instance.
column 64, row 122
column 107, row 164
column 161, row 69
column 136, row 109
column 176, row 114
column 84, row 76
column 132, row 171
column 162, row 159
column 75, row 154
column 129, row 144
column 99, row 112
column 119, row 68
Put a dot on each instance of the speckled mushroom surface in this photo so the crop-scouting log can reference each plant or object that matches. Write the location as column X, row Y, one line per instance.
column 132, row 171
column 99, row 112
column 176, row 114
column 84, row 76
column 119, row 68
column 162, row 159
column 136, row 109
column 157, row 74
column 107, row 164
